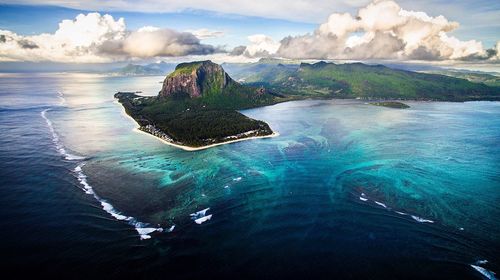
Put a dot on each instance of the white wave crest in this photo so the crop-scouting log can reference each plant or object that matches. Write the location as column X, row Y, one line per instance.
column 485, row 272
column 381, row 204
column 144, row 229
column 201, row 216
column 203, row 219
column 62, row 100
column 56, row 140
column 421, row 220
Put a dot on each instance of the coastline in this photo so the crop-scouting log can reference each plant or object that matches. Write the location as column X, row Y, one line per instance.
column 189, row 148
column 193, row 149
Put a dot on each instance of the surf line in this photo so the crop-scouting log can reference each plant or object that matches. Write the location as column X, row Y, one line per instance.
column 364, row 198
column 143, row 229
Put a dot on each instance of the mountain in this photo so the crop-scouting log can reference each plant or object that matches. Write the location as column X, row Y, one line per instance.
column 242, row 71
column 197, row 105
column 153, row 69
column 196, row 79
column 358, row 80
column 162, row 66
column 472, row 76
column 207, row 83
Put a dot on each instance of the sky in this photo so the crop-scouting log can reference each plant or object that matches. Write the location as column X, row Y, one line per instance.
column 112, row 31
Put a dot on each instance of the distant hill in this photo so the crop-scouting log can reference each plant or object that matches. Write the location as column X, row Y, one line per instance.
column 153, row 69
column 241, row 71
column 472, row 76
column 358, row 80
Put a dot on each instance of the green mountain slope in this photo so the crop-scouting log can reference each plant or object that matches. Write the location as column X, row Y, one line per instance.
column 475, row 77
column 357, row 80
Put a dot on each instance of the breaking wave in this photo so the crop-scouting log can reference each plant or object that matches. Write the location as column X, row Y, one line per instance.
column 57, row 141
column 364, row 198
column 143, row 229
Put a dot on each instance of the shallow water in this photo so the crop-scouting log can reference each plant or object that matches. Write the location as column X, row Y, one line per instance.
column 348, row 190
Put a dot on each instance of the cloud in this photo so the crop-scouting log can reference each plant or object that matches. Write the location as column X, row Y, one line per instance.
column 204, row 33
column 150, row 42
column 260, row 46
column 383, row 30
column 95, row 38
column 239, row 50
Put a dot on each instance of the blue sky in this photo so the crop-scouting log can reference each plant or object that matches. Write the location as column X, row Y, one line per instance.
column 31, row 20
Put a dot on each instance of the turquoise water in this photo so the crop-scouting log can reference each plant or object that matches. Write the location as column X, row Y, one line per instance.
column 348, row 190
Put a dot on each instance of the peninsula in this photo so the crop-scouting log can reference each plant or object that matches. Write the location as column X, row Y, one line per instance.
column 198, row 104
column 197, row 108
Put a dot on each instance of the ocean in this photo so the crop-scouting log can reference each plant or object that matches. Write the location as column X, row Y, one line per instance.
column 347, row 191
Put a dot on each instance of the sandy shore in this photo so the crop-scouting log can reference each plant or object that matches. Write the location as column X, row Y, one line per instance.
column 189, row 148
column 192, row 149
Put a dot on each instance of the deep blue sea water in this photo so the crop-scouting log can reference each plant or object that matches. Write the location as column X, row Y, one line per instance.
column 347, row 191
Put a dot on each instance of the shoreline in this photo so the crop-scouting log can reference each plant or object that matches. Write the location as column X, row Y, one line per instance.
column 188, row 148
column 193, row 149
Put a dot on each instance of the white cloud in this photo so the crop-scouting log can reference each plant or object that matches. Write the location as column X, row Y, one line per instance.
column 261, row 45
column 98, row 38
column 205, row 33
column 146, row 43
column 380, row 30
column 383, row 30
column 74, row 41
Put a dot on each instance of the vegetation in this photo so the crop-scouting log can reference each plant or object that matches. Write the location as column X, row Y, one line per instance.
column 185, row 68
column 198, row 102
column 475, row 77
column 357, row 80
column 391, row 104
column 151, row 69
column 199, row 121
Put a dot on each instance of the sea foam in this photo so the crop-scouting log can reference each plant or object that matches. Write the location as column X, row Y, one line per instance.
column 200, row 216
column 421, row 220
column 62, row 100
column 381, row 204
column 143, row 229
column 56, row 140
column 203, row 219
column 363, row 197
column 485, row 272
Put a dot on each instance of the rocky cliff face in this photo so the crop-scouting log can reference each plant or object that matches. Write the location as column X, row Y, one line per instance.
column 196, row 79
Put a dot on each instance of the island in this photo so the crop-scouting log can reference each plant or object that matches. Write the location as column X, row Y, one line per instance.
column 198, row 104
column 391, row 104
column 197, row 108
